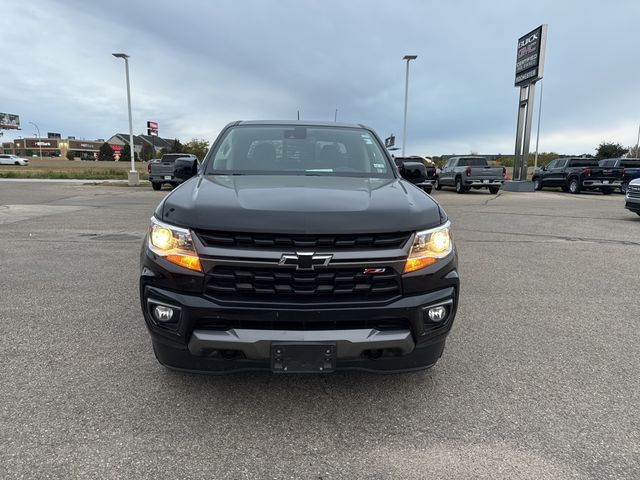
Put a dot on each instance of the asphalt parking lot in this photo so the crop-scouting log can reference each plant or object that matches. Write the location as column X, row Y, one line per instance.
column 539, row 378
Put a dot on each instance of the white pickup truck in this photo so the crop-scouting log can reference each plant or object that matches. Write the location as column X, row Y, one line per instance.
column 465, row 173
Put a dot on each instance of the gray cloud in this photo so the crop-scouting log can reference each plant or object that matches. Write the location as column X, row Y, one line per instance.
column 197, row 65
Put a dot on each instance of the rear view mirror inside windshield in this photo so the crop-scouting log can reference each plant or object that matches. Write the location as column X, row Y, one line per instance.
column 299, row 133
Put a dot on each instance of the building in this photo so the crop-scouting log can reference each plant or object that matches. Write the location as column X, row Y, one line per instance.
column 121, row 140
column 53, row 147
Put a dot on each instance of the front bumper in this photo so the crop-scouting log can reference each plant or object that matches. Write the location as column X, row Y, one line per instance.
column 632, row 202
column 187, row 344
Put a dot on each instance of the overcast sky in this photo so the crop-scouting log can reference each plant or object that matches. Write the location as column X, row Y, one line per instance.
column 197, row 65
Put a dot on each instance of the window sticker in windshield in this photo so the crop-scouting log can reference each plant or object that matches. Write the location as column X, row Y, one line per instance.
column 366, row 138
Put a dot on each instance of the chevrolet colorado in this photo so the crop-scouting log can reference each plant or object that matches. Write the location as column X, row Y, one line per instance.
column 298, row 247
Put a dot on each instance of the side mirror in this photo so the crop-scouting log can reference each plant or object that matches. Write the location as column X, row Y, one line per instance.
column 544, row 168
column 413, row 172
column 185, row 168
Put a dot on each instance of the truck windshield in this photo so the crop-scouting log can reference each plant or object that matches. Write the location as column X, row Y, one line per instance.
column 472, row 162
column 299, row 150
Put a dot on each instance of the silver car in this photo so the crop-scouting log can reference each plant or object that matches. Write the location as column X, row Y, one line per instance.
column 6, row 159
column 632, row 197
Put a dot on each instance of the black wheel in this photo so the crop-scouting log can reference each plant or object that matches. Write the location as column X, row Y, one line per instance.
column 16, row 163
column 438, row 186
column 607, row 191
column 427, row 189
column 494, row 190
column 537, row 183
column 623, row 187
column 459, row 186
column 156, row 185
column 574, row 185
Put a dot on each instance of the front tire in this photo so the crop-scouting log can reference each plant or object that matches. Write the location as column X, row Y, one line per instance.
column 537, row 183
column 156, row 185
column 438, row 185
column 574, row 186
column 459, row 186
column 16, row 163
column 494, row 190
column 606, row 191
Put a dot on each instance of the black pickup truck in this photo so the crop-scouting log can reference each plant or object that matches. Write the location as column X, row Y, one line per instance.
column 163, row 170
column 298, row 247
column 630, row 169
column 576, row 174
column 427, row 185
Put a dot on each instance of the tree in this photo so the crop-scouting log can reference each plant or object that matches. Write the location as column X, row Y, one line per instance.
column 125, row 154
column 105, row 154
column 147, row 151
column 197, row 147
column 176, row 147
column 610, row 150
column 634, row 152
column 70, row 155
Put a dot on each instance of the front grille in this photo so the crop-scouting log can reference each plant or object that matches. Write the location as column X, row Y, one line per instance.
column 333, row 242
column 634, row 194
column 284, row 285
column 219, row 323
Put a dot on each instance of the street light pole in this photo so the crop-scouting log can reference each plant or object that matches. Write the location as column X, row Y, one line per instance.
column 408, row 58
column 134, row 178
column 39, row 139
column 638, row 143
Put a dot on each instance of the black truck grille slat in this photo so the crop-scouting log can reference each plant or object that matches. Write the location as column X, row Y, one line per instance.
column 274, row 285
column 218, row 323
column 335, row 242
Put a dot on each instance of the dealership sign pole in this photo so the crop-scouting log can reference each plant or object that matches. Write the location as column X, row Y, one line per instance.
column 529, row 69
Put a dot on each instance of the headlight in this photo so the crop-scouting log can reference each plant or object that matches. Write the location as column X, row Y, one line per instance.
column 174, row 244
column 428, row 247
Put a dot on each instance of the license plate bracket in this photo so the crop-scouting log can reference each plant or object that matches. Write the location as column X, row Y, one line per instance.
column 307, row 357
column 485, row 181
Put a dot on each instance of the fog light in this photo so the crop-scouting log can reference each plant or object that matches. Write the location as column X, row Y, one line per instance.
column 437, row 314
column 162, row 313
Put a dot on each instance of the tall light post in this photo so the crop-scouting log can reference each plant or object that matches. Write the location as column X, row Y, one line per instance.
column 134, row 178
column 408, row 58
column 39, row 139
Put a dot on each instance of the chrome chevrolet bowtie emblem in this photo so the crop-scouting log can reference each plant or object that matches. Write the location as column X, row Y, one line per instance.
column 305, row 261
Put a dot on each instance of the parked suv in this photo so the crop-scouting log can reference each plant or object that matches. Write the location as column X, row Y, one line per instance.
column 7, row 159
column 299, row 247
column 632, row 196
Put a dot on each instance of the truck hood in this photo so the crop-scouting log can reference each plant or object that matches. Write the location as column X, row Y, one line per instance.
column 300, row 205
